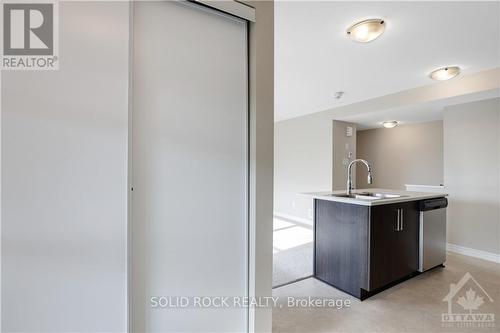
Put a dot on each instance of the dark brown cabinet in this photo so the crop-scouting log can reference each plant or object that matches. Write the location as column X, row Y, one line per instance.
column 362, row 249
column 393, row 243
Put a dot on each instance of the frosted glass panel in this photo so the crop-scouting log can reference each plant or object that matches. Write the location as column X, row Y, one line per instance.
column 64, row 180
column 189, row 148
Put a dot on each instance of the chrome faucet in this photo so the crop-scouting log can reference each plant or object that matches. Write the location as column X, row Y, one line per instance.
column 349, row 174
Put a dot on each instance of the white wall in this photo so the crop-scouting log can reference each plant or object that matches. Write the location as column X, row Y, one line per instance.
column 302, row 163
column 64, row 180
column 471, row 174
column 407, row 154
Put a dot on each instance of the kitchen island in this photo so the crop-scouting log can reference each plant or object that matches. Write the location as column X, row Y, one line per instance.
column 367, row 241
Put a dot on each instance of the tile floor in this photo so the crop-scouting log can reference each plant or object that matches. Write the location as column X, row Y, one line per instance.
column 415, row 305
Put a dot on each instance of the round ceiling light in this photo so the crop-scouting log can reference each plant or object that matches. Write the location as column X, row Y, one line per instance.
column 444, row 73
column 390, row 124
column 367, row 30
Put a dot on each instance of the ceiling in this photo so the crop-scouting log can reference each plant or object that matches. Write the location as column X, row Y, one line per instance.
column 416, row 113
column 314, row 59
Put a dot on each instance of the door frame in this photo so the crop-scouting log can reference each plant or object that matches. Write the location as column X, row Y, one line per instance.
column 234, row 8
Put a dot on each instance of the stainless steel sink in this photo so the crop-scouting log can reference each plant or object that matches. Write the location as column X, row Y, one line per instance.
column 384, row 195
column 368, row 195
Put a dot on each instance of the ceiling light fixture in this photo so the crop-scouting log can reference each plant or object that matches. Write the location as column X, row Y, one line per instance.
column 367, row 30
column 390, row 124
column 444, row 73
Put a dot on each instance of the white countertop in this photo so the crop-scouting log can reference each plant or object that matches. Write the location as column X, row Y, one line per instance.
column 405, row 196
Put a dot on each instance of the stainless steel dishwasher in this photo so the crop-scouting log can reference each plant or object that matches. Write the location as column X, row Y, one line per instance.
column 432, row 249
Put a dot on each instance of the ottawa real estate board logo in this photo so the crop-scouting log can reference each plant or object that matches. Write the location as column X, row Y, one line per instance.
column 469, row 305
column 30, row 35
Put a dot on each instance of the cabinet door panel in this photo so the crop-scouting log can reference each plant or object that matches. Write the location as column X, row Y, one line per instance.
column 394, row 246
column 406, row 241
column 382, row 242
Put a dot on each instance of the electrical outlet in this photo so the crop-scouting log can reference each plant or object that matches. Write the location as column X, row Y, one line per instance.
column 293, row 204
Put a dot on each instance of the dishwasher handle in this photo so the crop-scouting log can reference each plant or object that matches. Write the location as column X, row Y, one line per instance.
column 432, row 204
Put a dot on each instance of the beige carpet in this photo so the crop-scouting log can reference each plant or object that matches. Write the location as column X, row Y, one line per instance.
column 292, row 251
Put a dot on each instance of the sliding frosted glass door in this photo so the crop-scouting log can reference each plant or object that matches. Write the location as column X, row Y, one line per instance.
column 189, row 165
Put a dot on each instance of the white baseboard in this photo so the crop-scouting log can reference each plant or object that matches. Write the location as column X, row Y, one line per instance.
column 473, row 252
column 294, row 218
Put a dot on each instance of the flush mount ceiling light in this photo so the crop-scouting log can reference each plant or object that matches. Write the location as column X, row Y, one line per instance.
column 366, row 31
column 444, row 73
column 390, row 124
